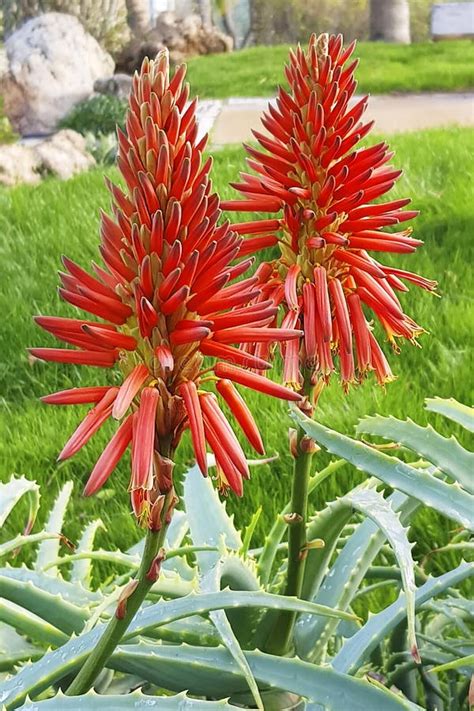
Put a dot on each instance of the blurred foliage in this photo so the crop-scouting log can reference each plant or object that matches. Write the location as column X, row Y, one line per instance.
column 7, row 134
column 106, row 20
column 277, row 21
column 98, row 115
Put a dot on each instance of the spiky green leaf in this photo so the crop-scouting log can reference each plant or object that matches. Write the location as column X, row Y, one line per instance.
column 29, row 624
column 49, row 550
column 450, row 500
column 135, row 700
column 81, row 570
column 215, row 669
column 59, row 663
column 358, row 648
column 11, row 492
column 445, row 453
column 453, row 410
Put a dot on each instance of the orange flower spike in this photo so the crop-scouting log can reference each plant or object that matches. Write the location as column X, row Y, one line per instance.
column 310, row 172
column 166, row 297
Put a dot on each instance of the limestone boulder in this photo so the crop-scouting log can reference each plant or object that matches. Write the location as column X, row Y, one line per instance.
column 64, row 154
column 18, row 164
column 52, row 65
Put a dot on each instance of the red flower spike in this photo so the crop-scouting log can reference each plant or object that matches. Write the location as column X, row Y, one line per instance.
column 164, row 296
column 310, row 172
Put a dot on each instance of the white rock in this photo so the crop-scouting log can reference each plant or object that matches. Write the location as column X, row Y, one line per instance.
column 18, row 164
column 53, row 64
column 64, row 154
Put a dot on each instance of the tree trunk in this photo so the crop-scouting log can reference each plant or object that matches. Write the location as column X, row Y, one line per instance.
column 390, row 21
column 205, row 12
column 138, row 16
column 261, row 21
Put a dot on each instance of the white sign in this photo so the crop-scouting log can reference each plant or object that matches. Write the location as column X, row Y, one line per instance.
column 453, row 19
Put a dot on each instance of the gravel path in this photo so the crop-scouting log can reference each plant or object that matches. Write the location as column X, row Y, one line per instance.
column 231, row 120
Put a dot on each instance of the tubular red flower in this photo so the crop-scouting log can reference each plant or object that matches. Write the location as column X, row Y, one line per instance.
column 164, row 298
column 129, row 388
column 94, row 419
column 254, row 381
column 310, row 172
column 76, row 396
column 144, row 440
column 241, row 413
column 188, row 392
column 110, row 457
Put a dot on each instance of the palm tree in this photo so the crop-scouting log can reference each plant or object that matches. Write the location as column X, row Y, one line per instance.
column 390, row 21
column 138, row 16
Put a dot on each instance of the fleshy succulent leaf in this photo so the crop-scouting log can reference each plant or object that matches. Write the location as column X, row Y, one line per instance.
column 358, row 648
column 135, row 700
column 50, row 607
column 449, row 500
column 37, row 677
column 342, row 581
column 49, row 550
column 29, row 624
column 215, row 669
column 81, row 569
column 208, row 520
column 453, row 410
column 11, row 492
column 447, row 454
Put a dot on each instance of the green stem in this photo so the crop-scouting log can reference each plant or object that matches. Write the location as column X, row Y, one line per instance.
column 117, row 626
column 279, row 640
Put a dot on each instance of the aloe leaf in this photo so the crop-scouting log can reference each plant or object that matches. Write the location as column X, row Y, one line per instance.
column 14, row 648
column 375, row 507
column 279, row 528
column 20, row 541
column 211, row 582
column 10, row 494
column 51, row 608
column 70, row 592
column 358, row 648
column 344, row 578
column 49, row 550
column 453, row 410
column 81, row 570
column 450, row 500
column 455, row 664
column 57, row 664
column 215, row 669
column 114, row 557
column 249, row 531
column 30, row 624
column 209, row 523
column 446, row 453
column 193, row 630
column 135, row 700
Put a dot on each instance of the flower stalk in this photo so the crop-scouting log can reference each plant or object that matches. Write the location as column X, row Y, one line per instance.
column 279, row 640
column 130, row 602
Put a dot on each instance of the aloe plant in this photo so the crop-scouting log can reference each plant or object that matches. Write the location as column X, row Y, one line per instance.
column 211, row 613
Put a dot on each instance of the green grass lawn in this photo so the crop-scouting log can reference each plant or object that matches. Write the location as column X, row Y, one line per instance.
column 384, row 68
column 39, row 223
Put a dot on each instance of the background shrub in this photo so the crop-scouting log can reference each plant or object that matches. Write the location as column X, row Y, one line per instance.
column 98, row 115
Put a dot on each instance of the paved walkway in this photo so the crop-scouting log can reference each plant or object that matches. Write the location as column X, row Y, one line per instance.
column 231, row 120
